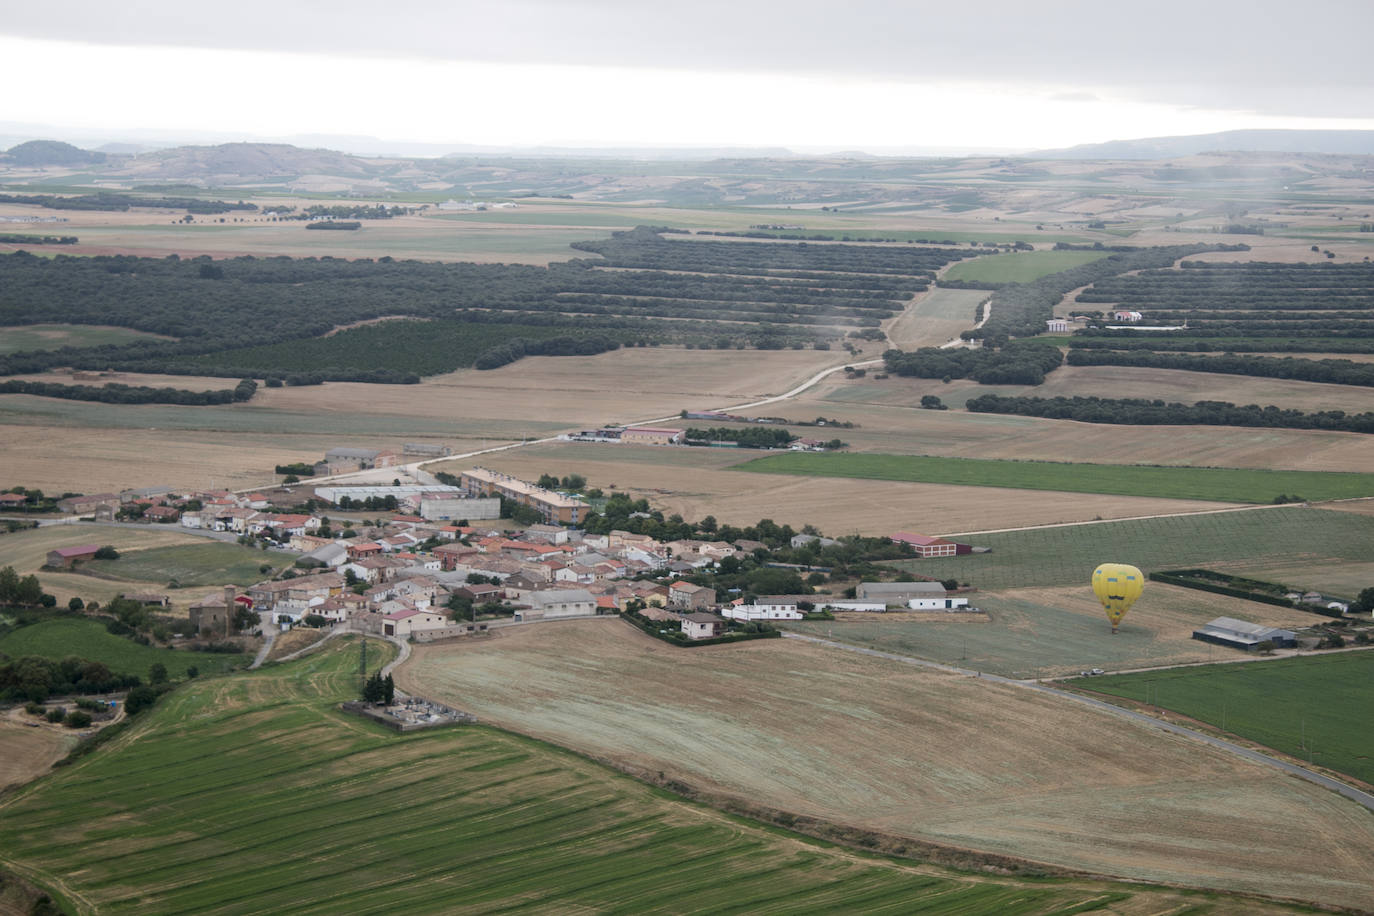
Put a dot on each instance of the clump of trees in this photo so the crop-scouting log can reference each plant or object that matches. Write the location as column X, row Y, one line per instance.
column 1019, row 362
column 571, row 482
column 747, row 437
column 34, row 678
column 378, row 689
column 17, row 591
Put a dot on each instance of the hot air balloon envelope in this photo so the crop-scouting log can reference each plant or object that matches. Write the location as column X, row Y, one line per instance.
column 1117, row 586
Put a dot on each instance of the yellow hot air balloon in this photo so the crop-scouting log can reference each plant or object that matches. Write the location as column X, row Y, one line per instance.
column 1117, row 586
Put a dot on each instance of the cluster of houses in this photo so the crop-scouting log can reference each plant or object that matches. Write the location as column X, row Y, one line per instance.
column 398, row 578
column 401, row 581
column 107, row 505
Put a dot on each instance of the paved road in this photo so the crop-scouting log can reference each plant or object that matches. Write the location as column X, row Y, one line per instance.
column 269, row 636
column 401, row 656
column 416, row 468
column 1356, row 795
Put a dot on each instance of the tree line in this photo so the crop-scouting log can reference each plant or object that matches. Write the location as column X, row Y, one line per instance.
column 20, row 238
column 112, row 200
column 519, row 347
column 1333, row 371
column 116, row 393
column 1174, row 344
column 1142, row 412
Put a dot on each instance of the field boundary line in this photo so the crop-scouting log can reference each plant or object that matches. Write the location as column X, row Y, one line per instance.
column 1131, row 518
column 1358, row 796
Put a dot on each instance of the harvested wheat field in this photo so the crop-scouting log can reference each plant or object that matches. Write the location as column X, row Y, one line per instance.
column 27, row 751
column 890, row 420
column 696, row 482
column 1358, row 506
column 935, row 317
column 944, row 758
column 88, row 447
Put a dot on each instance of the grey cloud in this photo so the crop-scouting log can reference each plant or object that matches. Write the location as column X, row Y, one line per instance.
column 1265, row 56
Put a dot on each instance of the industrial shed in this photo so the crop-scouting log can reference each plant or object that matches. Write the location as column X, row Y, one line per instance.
column 1227, row 631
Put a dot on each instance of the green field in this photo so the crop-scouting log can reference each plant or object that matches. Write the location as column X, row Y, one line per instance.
column 1242, row 485
column 1067, row 555
column 54, row 336
column 88, row 639
column 254, row 795
column 1020, row 267
column 209, row 564
column 1317, row 708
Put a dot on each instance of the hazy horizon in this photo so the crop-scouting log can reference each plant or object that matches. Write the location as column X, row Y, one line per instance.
column 609, row 73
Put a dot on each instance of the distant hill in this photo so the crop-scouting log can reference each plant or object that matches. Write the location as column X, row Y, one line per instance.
column 245, row 161
column 1340, row 142
column 50, row 152
column 627, row 153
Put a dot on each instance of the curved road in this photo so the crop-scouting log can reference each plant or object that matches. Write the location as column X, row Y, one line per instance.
column 1292, row 769
column 415, row 467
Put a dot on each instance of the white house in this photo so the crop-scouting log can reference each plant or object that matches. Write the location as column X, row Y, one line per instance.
column 562, row 602
column 764, row 608
column 404, row 623
column 702, row 626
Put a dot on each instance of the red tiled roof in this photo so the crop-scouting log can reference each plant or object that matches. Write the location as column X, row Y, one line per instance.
column 917, row 540
column 69, row 552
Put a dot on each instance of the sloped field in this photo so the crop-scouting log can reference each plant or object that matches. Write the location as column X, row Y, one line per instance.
column 943, row 758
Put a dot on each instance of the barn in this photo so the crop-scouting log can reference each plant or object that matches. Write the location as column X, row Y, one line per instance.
column 67, row 557
column 926, row 546
column 1238, row 634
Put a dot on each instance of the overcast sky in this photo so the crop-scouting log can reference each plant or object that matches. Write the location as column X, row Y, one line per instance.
column 843, row 74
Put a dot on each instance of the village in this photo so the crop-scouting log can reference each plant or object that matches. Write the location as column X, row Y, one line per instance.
column 432, row 570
